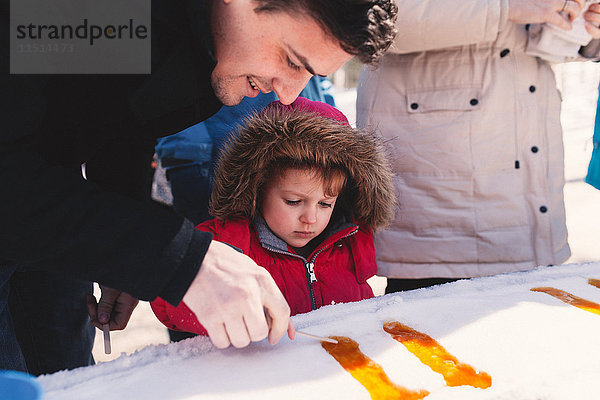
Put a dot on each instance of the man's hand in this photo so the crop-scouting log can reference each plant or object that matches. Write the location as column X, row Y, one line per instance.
column 114, row 308
column 230, row 296
column 540, row 11
column 592, row 20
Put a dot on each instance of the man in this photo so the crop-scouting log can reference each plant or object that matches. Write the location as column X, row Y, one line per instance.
column 58, row 228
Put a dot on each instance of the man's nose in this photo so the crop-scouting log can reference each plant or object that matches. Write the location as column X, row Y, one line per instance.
column 288, row 89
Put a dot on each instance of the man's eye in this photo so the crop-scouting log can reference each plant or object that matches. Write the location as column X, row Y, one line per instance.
column 292, row 202
column 293, row 66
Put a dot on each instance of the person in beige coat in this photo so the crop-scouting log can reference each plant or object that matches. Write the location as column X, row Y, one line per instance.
column 473, row 124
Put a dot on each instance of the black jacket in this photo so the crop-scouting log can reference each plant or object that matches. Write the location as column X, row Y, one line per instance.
column 104, row 229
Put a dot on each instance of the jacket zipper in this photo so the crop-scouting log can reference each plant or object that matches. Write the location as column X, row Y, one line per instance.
column 311, row 272
column 309, row 266
column 311, row 277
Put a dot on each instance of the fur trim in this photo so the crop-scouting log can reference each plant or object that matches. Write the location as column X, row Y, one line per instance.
column 309, row 139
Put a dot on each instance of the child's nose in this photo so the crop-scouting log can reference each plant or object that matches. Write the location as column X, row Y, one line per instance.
column 309, row 216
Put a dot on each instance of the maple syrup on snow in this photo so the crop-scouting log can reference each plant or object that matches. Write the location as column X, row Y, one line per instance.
column 367, row 372
column 432, row 354
column 570, row 299
column 429, row 352
column 594, row 282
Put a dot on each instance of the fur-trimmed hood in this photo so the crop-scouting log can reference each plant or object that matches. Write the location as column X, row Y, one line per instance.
column 309, row 133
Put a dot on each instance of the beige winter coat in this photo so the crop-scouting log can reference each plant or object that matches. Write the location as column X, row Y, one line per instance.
column 473, row 125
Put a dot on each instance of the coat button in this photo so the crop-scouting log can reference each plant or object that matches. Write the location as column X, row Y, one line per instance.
column 543, row 209
column 504, row 52
column 534, row 149
column 414, row 106
column 338, row 243
column 474, row 102
column 532, row 88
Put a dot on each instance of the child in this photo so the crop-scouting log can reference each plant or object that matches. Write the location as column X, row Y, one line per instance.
column 300, row 192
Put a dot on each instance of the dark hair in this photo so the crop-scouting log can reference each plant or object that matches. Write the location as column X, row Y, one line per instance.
column 364, row 28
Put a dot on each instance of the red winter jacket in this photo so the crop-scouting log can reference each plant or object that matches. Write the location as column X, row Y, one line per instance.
column 335, row 272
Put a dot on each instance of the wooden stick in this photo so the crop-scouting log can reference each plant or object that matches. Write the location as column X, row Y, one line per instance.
column 321, row 338
column 106, row 330
column 308, row 335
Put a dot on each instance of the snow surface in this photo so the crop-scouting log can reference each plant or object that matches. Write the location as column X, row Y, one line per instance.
column 533, row 345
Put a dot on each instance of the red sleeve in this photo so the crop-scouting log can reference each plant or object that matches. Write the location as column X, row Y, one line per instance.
column 209, row 226
column 234, row 232
column 179, row 318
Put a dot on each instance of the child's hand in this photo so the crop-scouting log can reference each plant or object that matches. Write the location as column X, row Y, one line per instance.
column 114, row 308
column 592, row 20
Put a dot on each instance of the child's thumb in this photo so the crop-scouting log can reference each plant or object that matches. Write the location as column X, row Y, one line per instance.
column 106, row 304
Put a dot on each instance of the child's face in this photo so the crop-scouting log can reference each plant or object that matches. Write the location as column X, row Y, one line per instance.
column 296, row 207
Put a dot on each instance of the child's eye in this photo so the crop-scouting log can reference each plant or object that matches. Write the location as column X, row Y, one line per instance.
column 325, row 205
column 293, row 66
column 292, row 202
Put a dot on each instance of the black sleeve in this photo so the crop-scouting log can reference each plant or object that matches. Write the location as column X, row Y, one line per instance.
column 188, row 247
column 53, row 219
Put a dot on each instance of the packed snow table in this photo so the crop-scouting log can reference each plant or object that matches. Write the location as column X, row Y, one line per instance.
column 532, row 335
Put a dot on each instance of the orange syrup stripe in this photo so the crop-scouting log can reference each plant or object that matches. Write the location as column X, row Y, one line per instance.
column 594, row 282
column 570, row 299
column 432, row 354
column 367, row 372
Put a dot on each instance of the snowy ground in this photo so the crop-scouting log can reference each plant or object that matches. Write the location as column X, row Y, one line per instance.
column 532, row 346
column 175, row 363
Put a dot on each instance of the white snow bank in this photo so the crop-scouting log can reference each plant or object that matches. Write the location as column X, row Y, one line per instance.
column 533, row 345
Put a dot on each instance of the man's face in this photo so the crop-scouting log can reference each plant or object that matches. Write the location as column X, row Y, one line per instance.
column 263, row 52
